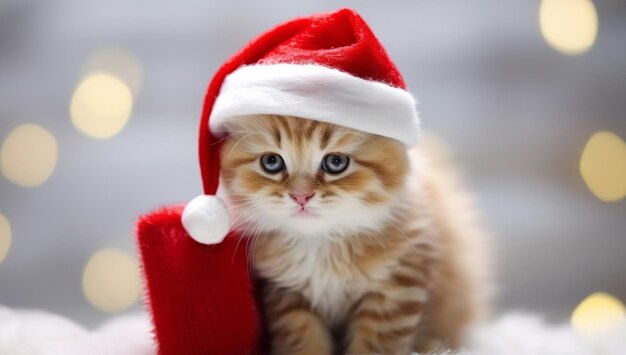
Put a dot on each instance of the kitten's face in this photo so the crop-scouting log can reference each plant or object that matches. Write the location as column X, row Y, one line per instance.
column 307, row 177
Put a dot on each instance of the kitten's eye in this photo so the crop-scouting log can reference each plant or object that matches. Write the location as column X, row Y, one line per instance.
column 335, row 163
column 272, row 163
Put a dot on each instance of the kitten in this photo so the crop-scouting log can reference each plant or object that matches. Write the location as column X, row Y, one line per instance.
column 362, row 246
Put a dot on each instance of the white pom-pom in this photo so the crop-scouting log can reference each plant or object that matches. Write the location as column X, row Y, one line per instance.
column 206, row 219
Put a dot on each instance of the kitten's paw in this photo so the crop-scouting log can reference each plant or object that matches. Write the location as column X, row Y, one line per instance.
column 312, row 350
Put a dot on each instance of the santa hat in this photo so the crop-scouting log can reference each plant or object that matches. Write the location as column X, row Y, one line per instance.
column 327, row 67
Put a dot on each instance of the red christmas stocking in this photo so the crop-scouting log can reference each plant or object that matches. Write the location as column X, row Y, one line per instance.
column 201, row 296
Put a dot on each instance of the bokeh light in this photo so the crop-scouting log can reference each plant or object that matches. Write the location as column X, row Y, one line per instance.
column 569, row 26
column 29, row 155
column 5, row 237
column 101, row 105
column 603, row 166
column 111, row 280
column 117, row 61
column 597, row 314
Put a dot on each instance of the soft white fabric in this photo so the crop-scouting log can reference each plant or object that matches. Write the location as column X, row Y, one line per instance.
column 25, row 332
column 39, row 333
column 319, row 93
column 524, row 334
column 206, row 219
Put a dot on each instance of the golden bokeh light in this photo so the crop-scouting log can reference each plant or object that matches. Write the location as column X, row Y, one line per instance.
column 5, row 237
column 598, row 314
column 29, row 155
column 569, row 26
column 111, row 280
column 101, row 105
column 603, row 166
column 117, row 61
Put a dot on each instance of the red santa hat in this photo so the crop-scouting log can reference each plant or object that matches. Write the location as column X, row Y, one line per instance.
column 327, row 67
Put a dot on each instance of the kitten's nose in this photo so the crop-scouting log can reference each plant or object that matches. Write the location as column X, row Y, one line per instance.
column 302, row 198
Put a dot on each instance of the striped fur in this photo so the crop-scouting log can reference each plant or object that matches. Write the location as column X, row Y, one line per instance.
column 389, row 259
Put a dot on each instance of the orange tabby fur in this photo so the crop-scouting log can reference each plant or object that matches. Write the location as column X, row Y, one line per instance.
column 391, row 260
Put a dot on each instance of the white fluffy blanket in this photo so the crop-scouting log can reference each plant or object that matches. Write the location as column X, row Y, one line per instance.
column 36, row 332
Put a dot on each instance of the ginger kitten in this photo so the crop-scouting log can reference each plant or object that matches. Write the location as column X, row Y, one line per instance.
column 362, row 246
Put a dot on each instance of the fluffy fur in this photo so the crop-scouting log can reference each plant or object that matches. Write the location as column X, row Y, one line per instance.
column 384, row 258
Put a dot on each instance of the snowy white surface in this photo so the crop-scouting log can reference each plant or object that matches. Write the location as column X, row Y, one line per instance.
column 24, row 332
column 525, row 334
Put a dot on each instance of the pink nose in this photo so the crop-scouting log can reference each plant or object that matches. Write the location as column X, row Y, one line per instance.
column 302, row 198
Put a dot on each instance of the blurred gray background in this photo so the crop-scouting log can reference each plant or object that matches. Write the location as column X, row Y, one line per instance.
column 516, row 112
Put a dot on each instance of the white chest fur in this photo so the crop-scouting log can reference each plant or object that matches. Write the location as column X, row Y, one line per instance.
column 321, row 272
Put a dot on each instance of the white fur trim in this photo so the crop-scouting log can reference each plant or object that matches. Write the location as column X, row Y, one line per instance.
column 319, row 93
column 206, row 219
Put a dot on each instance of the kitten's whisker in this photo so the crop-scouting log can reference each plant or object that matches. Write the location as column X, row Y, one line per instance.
column 253, row 120
column 373, row 238
column 240, row 238
column 253, row 238
column 237, row 132
column 239, row 141
column 249, row 218
column 255, row 230
column 224, row 138
column 251, row 248
column 244, row 221
column 388, row 220
column 251, row 252
column 254, row 249
column 244, row 214
column 241, row 202
column 243, row 235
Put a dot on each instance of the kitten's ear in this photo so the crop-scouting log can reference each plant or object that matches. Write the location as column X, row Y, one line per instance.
column 200, row 297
